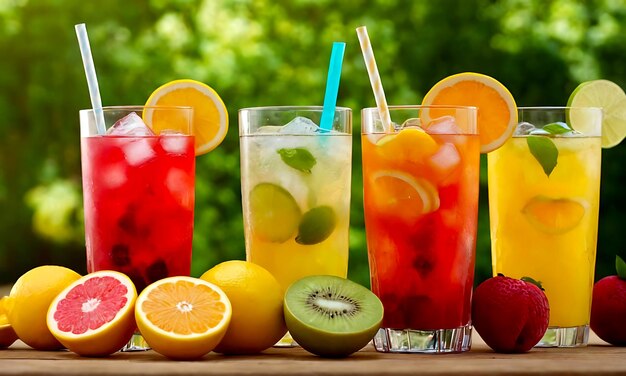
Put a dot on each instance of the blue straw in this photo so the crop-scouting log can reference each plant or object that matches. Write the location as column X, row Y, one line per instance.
column 332, row 86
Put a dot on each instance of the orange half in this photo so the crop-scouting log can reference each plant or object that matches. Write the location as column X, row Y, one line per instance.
column 183, row 317
column 497, row 111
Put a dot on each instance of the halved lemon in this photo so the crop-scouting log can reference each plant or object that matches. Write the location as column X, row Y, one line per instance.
column 7, row 334
column 497, row 112
column 554, row 215
column 608, row 96
column 397, row 193
column 183, row 317
column 210, row 117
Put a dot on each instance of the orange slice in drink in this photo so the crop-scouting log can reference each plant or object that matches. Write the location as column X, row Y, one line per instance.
column 183, row 317
column 398, row 194
column 554, row 216
column 497, row 112
column 94, row 315
column 210, row 118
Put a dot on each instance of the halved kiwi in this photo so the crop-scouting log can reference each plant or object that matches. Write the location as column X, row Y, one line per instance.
column 331, row 316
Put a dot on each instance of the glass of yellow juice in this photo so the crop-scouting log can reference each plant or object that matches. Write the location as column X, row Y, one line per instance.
column 544, row 192
column 295, row 185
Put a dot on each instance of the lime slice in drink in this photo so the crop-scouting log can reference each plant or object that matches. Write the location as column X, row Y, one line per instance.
column 608, row 96
column 554, row 215
column 316, row 226
column 274, row 213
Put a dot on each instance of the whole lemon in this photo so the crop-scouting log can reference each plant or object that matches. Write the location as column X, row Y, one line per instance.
column 28, row 302
column 256, row 297
column 7, row 334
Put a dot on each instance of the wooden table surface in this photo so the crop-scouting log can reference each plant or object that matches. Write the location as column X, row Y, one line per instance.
column 596, row 359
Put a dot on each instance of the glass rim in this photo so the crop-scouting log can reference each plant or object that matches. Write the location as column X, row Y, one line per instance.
column 293, row 108
column 138, row 107
column 419, row 106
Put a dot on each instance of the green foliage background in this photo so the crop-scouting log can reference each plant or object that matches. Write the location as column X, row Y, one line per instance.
column 270, row 52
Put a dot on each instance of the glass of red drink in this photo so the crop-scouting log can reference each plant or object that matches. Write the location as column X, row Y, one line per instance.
column 138, row 191
column 421, row 205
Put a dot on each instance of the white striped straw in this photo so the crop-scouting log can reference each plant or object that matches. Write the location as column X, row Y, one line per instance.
column 372, row 71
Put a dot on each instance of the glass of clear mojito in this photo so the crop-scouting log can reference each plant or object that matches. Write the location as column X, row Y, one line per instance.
column 295, row 185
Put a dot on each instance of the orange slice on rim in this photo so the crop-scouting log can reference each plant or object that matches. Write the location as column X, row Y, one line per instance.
column 210, row 118
column 183, row 317
column 497, row 112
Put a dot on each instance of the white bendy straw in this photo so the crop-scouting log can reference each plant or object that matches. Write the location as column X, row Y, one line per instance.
column 92, row 79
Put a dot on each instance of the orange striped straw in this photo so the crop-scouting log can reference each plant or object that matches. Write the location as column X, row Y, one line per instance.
column 372, row 71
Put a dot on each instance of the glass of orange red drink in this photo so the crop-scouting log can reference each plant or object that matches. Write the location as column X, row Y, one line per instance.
column 421, row 200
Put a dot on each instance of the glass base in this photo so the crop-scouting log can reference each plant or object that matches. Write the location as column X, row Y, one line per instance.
column 286, row 341
column 136, row 343
column 439, row 341
column 576, row 336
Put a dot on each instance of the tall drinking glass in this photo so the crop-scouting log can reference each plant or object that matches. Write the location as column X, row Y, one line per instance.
column 544, row 191
column 420, row 183
column 295, row 185
column 138, row 190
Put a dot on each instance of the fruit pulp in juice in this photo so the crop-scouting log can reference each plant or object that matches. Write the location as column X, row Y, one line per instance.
column 420, row 201
column 296, row 203
column 139, row 202
column 546, row 227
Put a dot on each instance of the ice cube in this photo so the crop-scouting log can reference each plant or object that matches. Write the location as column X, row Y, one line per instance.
column 445, row 160
column 524, row 128
column 174, row 143
column 299, row 125
column 269, row 129
column 444, row 125
column 138, row 151
column 538, row 131
column 130, row 125
column 114, row 175
column 179, row 183
column 412, row 123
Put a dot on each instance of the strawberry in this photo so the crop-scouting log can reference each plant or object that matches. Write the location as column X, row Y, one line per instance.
column 608, row 308
column 511, row 315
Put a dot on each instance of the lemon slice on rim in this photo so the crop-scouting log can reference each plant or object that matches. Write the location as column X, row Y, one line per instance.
column 210, row 117
column 497, row 112
column 608, row 96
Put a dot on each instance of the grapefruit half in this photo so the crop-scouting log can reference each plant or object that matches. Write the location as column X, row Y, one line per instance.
column 94, row 315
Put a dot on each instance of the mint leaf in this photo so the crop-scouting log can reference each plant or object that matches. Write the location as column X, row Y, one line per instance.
column 544, row 151
column 620, row 266
column 557, row 128
column 534, row 282
column 299, row 158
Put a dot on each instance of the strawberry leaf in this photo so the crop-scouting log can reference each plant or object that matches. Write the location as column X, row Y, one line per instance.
column 534, row 282
column 620, row 266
